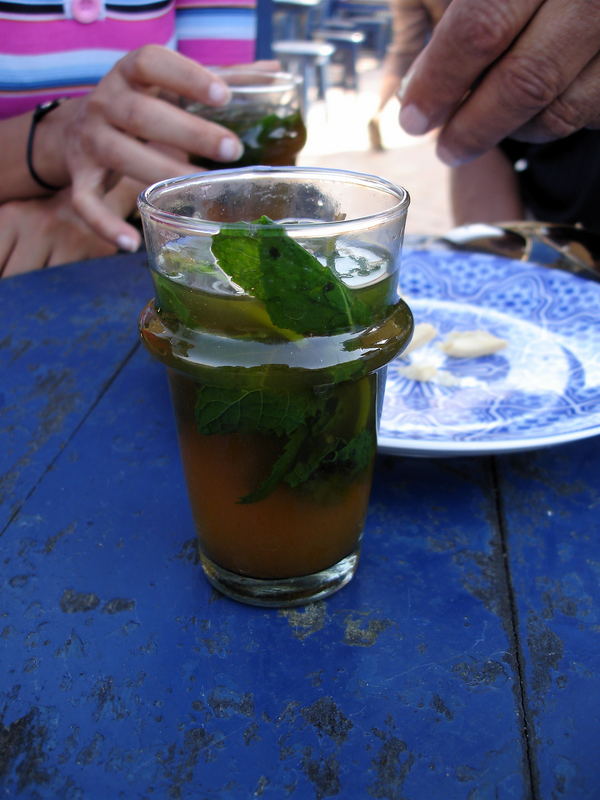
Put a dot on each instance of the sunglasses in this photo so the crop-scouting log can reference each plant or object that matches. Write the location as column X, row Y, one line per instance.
column 553, row 245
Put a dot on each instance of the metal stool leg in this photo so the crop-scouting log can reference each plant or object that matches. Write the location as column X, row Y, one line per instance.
column 322, row 78
column 309, row 60
column 305, row 73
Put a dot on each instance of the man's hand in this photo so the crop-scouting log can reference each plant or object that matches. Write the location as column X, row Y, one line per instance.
column 529, row 69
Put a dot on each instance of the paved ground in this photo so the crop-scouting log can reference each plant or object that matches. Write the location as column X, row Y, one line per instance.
column 337, row 137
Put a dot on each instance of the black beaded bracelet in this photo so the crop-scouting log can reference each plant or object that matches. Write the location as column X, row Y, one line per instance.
column 38, row 114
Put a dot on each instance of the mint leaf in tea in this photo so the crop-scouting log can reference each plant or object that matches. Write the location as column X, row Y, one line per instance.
column 299, row 292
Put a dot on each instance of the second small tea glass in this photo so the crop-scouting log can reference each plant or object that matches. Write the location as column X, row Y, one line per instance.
column 264, row 112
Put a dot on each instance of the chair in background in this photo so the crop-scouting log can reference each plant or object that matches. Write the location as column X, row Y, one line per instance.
column 306, row 43
column 293, row 45
column 371, row 17
column 308, row 59
column 294, row 19
column 347, row 44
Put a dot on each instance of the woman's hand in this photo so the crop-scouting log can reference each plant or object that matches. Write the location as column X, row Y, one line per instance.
column 124, row 128
column 529, row 69
column 45, row 232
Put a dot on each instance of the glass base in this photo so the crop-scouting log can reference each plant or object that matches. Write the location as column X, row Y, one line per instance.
column 281, row 592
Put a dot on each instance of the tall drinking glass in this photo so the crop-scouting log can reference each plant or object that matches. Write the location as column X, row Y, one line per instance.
column 264, row 112
column 276, row 312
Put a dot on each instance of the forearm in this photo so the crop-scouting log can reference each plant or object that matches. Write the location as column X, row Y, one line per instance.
column 48, row 156
column 485, row 190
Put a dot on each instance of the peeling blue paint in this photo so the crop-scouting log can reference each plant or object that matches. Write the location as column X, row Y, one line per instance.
column 461, row 663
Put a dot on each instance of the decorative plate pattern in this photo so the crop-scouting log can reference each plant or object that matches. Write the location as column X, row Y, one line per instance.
column 542, row 389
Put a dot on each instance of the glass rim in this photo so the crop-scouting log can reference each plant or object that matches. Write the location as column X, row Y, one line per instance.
column 286, row 80
column 308, row 228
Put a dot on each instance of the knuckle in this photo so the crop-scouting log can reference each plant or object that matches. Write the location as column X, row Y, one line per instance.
column 84, row 137
column 561, row 118
column 484, row 29
column 130, row 114
column 529, row 82
column 470, row 141
column 97, row 104
column 142, row 60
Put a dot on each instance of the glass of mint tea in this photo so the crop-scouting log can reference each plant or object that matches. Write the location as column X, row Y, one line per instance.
column 264, row 112
column 276, row 310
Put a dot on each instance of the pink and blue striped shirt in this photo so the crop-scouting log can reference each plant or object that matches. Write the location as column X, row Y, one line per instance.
column 54, row 49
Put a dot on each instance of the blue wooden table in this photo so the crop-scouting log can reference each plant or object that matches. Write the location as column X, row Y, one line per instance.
column 462, row 662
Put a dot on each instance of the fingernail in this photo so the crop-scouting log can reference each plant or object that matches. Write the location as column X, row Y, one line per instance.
column 413, row 120
column 218, row 93
column 127, row 243
column 449, row 158
column 230, row 149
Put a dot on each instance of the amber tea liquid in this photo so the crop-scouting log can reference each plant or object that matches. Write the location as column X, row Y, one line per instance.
column 227, row 341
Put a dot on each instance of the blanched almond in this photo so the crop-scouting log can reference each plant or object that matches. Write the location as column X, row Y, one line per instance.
column 472, row 344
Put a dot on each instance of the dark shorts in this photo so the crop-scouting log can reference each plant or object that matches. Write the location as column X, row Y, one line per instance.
column 560, row 181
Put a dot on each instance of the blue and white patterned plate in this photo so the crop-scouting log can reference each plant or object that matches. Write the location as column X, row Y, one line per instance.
column 542, row 389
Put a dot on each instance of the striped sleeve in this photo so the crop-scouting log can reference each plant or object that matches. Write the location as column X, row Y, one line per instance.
column 217, row 33
column 45, row 52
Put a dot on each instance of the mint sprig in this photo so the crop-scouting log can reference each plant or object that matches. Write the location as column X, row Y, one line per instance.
column 309, row 428
column 299, row 294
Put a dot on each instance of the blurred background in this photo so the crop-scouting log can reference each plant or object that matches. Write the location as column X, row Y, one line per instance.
column 338, row 137
column 342, row 95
